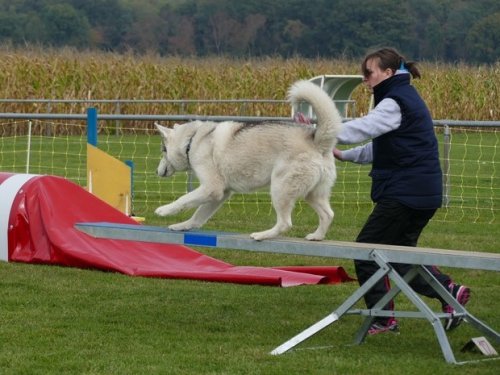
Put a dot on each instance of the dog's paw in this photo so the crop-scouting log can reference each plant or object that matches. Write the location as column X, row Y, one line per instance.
column 314, row 237
column 181, row 226
column 160, row 211
column 256, row 237
column 165, row 210
column 259, row 236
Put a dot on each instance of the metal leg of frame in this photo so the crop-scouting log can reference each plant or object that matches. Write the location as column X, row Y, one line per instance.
column 459, row 309
column 376, row 310
column 422, row 307
column 329, row 319
column 401, row 285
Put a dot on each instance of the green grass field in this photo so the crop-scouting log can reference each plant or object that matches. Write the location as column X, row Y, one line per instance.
column 68, row 321
column 61, row 320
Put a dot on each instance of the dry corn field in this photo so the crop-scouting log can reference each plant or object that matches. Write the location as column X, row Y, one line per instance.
column 458, row 92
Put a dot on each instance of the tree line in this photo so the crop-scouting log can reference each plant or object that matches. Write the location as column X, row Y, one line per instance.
column 444, row 30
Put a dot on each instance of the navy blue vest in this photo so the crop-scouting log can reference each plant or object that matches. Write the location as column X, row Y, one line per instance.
column 406, row 164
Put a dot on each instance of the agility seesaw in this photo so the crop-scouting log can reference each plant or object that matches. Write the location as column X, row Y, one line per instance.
column 383, row 255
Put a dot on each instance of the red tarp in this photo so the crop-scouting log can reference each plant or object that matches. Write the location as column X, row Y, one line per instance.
column 40, row 229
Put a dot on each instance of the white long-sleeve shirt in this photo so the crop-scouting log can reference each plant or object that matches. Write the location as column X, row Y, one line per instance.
column 385, row 117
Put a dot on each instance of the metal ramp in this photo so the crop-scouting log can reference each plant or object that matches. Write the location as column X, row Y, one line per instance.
column 383, row 255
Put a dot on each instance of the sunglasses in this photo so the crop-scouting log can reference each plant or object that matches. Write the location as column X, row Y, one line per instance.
column 367, row 73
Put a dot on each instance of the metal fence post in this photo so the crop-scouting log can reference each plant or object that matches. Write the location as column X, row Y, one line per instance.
column 92, row 126
column 446, row 165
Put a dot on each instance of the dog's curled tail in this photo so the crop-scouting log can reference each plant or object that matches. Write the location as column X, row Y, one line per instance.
column 328, row 118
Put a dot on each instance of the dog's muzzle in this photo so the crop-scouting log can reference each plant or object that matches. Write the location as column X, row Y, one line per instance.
column 162, row 169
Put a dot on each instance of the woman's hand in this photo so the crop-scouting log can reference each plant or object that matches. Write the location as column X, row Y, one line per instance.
column 337, row 154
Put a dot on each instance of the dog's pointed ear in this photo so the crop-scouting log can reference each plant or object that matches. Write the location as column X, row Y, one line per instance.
column 162, row 129
column 158, row 126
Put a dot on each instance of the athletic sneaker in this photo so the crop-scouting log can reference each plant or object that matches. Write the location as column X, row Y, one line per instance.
column 462, row 294
column 381, row 327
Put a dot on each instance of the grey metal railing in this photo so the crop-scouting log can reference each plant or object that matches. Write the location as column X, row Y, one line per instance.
column 444, row 123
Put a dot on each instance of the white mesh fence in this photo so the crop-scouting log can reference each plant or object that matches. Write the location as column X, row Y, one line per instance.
column 471, row 162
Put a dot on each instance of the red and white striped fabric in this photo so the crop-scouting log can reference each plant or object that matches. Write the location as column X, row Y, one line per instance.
column 37, row 217
column 10, row 188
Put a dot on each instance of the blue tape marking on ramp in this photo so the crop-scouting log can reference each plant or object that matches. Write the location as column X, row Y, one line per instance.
column 200, row 239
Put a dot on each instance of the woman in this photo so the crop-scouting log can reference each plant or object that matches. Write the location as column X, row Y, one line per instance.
column 406, row 174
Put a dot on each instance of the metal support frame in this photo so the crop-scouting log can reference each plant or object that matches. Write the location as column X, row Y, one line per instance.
column 383, row 255
column 401, row 285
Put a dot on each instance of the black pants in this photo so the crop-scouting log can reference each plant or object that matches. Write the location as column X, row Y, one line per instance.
column 393, row 223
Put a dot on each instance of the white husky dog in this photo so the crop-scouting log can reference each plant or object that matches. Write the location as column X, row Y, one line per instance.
column 295, row 160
